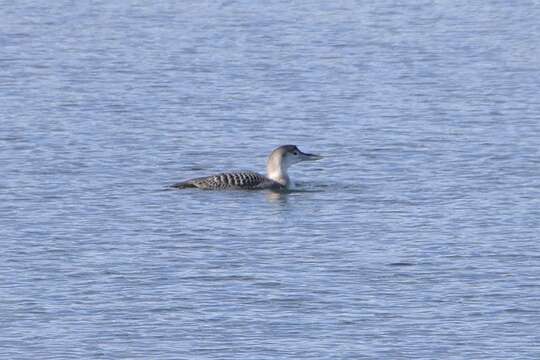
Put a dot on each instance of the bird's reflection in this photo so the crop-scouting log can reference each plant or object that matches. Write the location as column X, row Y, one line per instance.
column 277, row 197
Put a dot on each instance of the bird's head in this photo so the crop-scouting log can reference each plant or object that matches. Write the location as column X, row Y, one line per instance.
column 288, row 155
column 284, row 156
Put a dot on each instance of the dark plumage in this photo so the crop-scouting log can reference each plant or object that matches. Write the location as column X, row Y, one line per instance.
column 231, row 180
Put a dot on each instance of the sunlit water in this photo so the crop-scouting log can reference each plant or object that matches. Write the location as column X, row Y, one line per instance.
column 416, row 237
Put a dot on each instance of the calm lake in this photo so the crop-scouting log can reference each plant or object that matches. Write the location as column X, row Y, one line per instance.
column 416, row 237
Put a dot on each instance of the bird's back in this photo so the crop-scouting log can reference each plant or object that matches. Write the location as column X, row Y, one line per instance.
column 231, row 180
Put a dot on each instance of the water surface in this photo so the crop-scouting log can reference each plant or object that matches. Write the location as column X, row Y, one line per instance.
column 416, row 236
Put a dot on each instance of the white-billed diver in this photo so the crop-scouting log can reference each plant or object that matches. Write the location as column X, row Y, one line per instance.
column 276, row 177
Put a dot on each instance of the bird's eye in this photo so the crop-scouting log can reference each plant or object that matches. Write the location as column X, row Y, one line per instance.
column 295, row 153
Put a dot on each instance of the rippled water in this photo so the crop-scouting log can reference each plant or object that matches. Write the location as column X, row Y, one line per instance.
column 416, row 237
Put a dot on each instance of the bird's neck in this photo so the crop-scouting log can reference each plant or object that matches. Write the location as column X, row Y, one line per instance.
column 277, row 171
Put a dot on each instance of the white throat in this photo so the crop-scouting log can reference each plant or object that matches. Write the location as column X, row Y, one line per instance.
column 276, row 170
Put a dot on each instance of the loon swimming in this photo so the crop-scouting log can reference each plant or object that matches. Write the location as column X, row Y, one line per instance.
column 276, row 177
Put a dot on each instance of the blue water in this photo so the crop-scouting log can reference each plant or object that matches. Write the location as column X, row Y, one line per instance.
column 417, row 237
